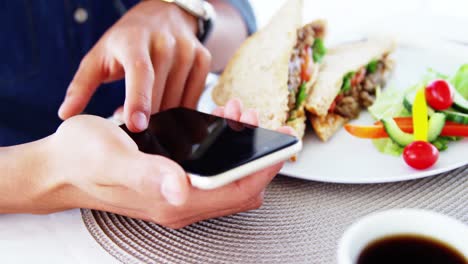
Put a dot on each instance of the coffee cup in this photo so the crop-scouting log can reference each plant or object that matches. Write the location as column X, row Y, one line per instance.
column 395, row 223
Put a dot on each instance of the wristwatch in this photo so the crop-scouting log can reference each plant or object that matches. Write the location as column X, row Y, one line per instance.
column 203, row 11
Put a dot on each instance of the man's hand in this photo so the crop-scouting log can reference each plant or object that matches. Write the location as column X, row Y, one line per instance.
column 91, row 163
column 154, row 46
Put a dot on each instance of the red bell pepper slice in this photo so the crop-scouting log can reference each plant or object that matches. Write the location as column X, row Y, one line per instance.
column 358, row 77
column 306, row 66
column 377, row 130
column 399, row 121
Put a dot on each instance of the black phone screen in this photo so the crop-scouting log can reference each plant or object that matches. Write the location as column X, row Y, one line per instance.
column 204, row 144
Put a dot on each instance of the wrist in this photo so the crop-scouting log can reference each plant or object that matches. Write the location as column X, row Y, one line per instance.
column 46, row 189
column 59, row 178
column 26, row 181
column 173, row 11
column 199, row 14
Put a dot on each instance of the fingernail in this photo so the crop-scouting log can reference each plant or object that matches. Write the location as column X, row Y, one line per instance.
column 139, row 120
column 170, row 189
column 61, row 111
column 238, row 102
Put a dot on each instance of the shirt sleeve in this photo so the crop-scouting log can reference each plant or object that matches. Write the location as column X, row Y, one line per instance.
column 245, row 10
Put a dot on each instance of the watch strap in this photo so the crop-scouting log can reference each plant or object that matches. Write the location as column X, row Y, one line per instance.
column 206, row 24
column 204, row 13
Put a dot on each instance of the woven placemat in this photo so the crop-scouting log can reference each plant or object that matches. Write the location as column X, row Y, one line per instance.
column 300, row 222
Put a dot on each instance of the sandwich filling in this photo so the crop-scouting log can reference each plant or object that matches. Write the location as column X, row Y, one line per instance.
column 303, row 66
column 359, row 88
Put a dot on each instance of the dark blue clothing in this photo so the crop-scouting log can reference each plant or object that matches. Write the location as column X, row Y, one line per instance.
column 41, row 46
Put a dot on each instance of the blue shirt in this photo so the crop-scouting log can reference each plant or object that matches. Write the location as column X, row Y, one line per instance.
column 41, row 46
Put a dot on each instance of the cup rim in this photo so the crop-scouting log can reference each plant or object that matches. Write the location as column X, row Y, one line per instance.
column 348, row 237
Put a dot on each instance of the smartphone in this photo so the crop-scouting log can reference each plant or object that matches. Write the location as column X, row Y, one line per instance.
column 214, row 151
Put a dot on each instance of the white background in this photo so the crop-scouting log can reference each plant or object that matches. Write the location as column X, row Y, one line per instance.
column 361, row 11
column 62, row 237
column 443, row 18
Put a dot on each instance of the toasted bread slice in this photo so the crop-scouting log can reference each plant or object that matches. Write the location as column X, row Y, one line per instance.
column 258, row 72
column 326, row 126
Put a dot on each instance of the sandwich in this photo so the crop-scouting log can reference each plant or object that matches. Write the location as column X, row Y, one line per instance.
column 347, row 83
column 275, row 68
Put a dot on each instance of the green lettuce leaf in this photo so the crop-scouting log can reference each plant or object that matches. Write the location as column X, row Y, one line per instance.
column 346, row 86
column 460, row 81
column 318, row 50
column 387, row 146
column 389, row 104
column 372, row 66
column 301, row 95
column 433, row 74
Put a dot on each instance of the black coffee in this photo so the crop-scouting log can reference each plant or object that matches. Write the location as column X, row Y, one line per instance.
column 402, row 249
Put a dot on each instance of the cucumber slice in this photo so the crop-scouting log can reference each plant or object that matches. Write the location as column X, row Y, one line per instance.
column 395, row 133
column 460, row 103
column 436, row 124
column 456, row 117
column 409, row 100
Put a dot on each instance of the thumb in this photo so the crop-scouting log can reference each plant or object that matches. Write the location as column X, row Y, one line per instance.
column 174, row 185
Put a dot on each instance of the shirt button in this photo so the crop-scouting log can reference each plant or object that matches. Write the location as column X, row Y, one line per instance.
column 80, row 15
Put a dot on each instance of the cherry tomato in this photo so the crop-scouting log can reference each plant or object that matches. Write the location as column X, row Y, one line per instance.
column 439, row 94
column 420, row 155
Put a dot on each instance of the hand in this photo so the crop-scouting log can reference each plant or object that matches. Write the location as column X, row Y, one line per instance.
column 155, row 48
column 100, row 167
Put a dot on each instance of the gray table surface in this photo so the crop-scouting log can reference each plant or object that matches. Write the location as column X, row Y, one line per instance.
column 300, row 222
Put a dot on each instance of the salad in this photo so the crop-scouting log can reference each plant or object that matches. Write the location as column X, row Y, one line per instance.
column 421, row 121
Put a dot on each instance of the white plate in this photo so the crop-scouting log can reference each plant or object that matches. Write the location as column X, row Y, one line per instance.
column 346, row 159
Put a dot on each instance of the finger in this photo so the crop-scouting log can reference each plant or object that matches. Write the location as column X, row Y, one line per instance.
column 119, row 111
column 163, row 178
column 139, row 79
column 233, row 195
column 163, row 57
column 118, row 115
column 233, row 109
column 197, row 78
column 185, row 58
column 133, row 213
column 219, row 111
column 250, row 117
column 287, row 130
column 255, row 183
column 85, row 82
column 187, row 220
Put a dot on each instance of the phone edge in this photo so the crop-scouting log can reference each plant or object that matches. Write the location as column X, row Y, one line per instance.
column 213, row 182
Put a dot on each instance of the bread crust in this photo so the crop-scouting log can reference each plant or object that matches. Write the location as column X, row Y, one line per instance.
column 258, row 72
column 326, row 126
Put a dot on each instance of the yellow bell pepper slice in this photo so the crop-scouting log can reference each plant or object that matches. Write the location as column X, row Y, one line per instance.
column 420, row 122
